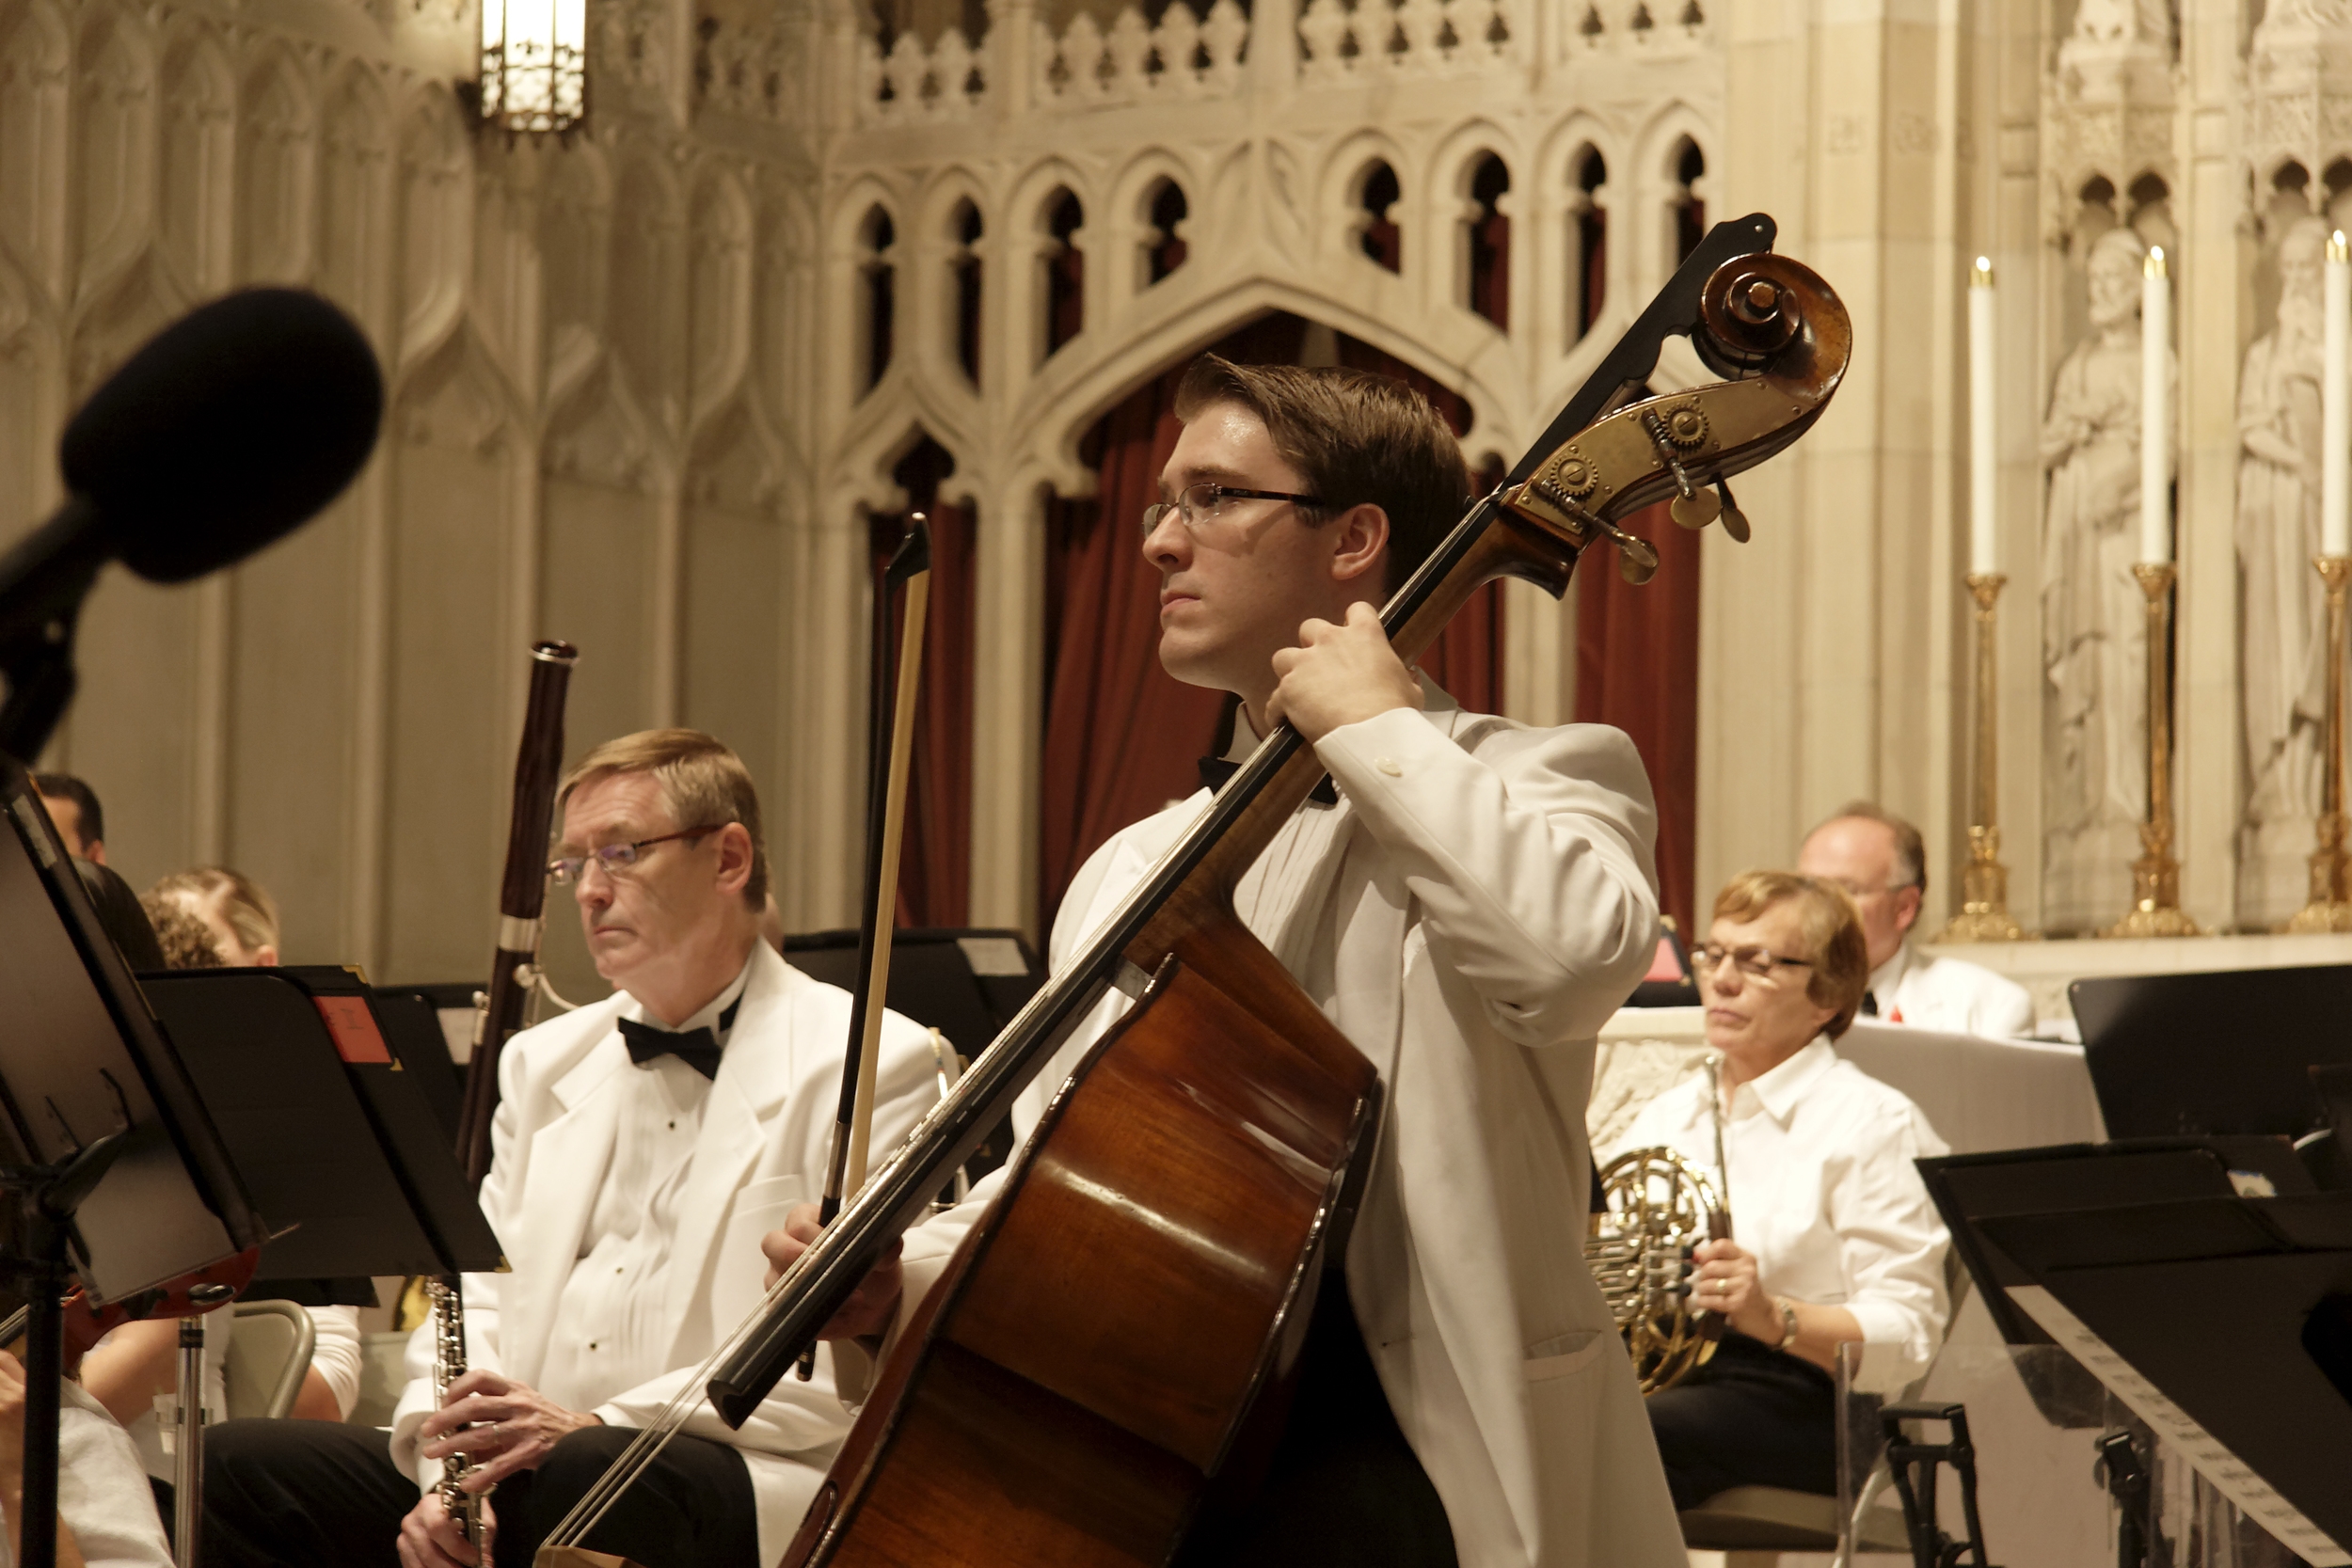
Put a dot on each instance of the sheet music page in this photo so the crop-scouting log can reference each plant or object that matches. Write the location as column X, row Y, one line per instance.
column 2212, row 1459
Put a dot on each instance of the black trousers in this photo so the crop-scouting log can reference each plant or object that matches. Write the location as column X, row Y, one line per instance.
column 1345, row 1489
column 1751, row 1417
column 306, row 1494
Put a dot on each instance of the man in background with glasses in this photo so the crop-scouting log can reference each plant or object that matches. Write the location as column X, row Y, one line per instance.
column 1882, row 862
column 642, row 1144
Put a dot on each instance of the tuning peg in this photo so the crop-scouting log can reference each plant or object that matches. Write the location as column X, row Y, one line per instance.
column 1735, row 520
column 1637, row 561
column 1695, row 509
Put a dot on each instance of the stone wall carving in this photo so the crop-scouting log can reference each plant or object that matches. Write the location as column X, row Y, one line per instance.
column 587, row 434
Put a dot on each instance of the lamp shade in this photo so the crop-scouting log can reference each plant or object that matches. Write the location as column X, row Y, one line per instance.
column 534, row 64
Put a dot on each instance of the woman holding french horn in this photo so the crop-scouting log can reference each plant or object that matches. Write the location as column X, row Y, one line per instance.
column 1834, row 1239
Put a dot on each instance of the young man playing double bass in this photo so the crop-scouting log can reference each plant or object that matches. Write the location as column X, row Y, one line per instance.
column 1479, row 899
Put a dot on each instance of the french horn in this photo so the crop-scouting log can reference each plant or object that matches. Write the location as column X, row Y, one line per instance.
column 1655, row 1207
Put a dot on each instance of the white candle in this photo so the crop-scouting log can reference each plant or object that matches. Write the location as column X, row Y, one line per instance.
column 1984, row 554
column 2155, row 410
column 2335, row 407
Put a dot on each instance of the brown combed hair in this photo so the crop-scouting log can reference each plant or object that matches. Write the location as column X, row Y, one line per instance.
column 1354, row 437
column 243, row 902
column 1831, row 928
column 703, row 782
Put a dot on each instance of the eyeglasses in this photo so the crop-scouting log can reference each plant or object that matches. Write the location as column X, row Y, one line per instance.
column 1200, row 503
column 1856, row 892
column 1758, row 962
column 616, row 858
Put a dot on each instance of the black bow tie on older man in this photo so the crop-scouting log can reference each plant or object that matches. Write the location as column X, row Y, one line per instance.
column 697, row 1048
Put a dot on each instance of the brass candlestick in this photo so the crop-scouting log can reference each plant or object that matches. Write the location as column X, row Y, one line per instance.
column 2330, row 909
column 1984, row 884
column 2156, row 876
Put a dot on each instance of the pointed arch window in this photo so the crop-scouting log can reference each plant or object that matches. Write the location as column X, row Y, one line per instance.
column 876, row 297
column 1690, row 209
column 965, row 268
column 1487, row 272
column 1588, row 241
column 1164, row 249
column 1065, row 271
column 1377, row 193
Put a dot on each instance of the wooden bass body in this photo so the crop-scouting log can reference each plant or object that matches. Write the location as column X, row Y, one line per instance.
column 1110, row 1338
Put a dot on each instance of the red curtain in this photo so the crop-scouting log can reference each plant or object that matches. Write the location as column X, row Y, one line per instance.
column 1123, row 736
column 1490, row 268
column 1637, row 667
column 935, row 854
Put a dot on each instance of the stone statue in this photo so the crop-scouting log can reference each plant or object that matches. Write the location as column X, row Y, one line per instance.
column 2094, row 614
column 2282, row 620
column 2124, row 22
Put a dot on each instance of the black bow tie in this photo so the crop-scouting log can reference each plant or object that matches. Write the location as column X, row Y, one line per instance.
column 697, row 1048
column 1216, row 770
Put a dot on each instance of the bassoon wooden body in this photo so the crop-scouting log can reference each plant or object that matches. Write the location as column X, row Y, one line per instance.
column 522, row 898
column 500, row 1010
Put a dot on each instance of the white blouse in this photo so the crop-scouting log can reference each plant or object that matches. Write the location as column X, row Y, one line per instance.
column 1823, row 1192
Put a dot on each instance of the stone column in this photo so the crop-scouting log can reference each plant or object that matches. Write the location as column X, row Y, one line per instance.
column 1008, row 675
column 2211, row 333
column 1827, row 646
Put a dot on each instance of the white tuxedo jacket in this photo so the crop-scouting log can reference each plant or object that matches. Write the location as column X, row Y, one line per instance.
column 1496, row 903
column 766, row 1135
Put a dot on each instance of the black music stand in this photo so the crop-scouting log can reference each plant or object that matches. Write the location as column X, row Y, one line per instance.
column 2207, row 1283
column 334, row 1135
column 967, row 982
column 121, row 1176
column 2157, row 1044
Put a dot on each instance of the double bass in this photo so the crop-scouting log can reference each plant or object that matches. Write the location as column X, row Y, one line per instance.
column 1116, row 1338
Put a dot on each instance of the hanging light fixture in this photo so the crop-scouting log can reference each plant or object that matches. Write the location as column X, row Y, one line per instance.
column 535, row 64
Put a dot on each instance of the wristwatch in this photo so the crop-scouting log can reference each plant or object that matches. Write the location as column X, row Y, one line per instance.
column 1788, row 1322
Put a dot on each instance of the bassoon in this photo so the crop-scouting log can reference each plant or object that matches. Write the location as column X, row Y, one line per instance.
column 500, row 1010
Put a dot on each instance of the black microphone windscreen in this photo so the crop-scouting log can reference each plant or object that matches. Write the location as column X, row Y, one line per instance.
column 232, row 427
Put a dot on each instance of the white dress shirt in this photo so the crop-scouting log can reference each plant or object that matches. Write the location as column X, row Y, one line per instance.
column 610, row 1332
column 1823, row 1191
column 337, row 1355
column 1950, row 995
column 103, row 1494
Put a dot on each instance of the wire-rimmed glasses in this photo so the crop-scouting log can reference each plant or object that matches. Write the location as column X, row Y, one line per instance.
column 1195, row 504
column 615, row 858
column 1758, row 963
